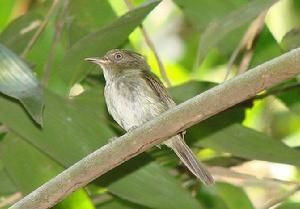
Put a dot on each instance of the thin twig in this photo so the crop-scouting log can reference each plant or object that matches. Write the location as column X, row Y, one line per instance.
column 40, row 29
column 277, row 200
column 245, row 62
column 58, row 29
column 228, row 173
column 150, row 44
column 247, row 44
column 257, row 28
column 168, row 124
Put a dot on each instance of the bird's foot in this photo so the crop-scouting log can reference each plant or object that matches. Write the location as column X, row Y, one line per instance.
column 132, row 128
column 112, row 139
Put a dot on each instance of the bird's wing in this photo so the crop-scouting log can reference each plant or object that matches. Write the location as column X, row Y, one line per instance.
column 158, row 88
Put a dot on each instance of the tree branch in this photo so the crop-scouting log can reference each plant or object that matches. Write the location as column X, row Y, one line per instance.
column 167, row 124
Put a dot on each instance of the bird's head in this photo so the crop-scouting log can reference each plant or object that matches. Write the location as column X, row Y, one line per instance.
column 119, row 61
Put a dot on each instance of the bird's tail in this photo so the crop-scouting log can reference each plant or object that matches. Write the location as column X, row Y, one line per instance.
column 186, row 155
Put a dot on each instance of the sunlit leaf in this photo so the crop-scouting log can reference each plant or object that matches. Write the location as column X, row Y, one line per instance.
column 291, row 205
column 5, row 11
column 17, row 81
column 115, row 203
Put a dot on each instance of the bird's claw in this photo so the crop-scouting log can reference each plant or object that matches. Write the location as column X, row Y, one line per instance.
column 112, row 139
column 132, row 128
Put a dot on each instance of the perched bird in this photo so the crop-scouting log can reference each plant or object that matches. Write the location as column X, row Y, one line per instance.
column 134, row 96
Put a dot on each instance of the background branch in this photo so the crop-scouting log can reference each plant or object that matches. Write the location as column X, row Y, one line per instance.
column 277, row 200
column 156, row 131
column 59, row 24
column 247, row 44
column 150, row 44
column 40, row 29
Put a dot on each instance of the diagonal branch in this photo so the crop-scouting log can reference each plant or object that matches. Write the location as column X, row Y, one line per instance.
column 156, row 131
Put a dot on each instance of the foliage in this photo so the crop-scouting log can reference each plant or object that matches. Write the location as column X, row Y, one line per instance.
column 52, row 110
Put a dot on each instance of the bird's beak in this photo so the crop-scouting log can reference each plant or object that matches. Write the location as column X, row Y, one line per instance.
column 98, row 60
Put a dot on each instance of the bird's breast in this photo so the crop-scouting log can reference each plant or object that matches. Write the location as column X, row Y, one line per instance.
column 131, row 102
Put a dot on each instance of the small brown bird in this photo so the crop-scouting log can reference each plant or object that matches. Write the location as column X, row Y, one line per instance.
column 134, row 96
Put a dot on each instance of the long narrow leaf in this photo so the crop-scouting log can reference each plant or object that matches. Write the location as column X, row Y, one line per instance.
column 18, row 81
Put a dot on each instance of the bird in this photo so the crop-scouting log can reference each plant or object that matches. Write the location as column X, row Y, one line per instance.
column 134, row 95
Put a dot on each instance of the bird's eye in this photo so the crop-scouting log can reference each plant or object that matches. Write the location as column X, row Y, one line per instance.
column 118, row 56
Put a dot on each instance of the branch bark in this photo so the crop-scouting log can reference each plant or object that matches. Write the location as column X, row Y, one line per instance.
column 156, row 131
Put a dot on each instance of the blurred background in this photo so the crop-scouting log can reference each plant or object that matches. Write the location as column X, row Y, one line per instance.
column 251, row 148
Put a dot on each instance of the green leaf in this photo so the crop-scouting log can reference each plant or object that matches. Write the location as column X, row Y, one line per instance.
column 210, row 198
column 265, row 49
column 201, row 13
column 23, row 162
column 250, row 144
column 29, row 168
column 87, row 18
column 229, row 23
column 152, row 186
column 18, row 33
column 291, row 40
column 290, row 205
column 233, row 115
column 5, row 11
column 72, row 127
column 7, row 187
column 291, row 96
column 233, row 196
column 74, row 68
column 17, row 81
column 77, row 200
column 189, row 89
